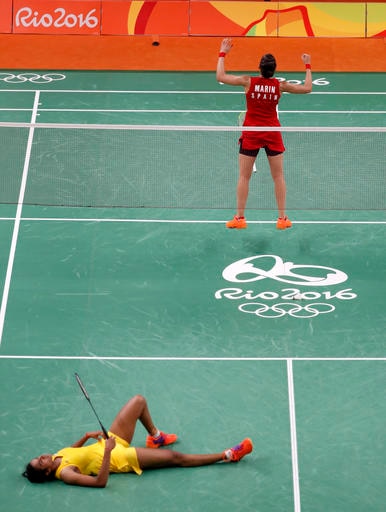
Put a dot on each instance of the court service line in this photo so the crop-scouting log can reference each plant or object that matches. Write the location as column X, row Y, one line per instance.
column 169, row 221
column 294, row 444
column 17, row 219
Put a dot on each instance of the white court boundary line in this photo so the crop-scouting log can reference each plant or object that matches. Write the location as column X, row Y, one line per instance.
column 196, row 128
column 17, row 219
column 294, row 443
column 133, row 91
column 203, row 111
column 190, row 111
column 186, row 358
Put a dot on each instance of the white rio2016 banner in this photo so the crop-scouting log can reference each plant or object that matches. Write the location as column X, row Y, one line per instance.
column 294, row 301
column 57, row 17
column 26, row 17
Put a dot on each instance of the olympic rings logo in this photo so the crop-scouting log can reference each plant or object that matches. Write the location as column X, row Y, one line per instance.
column 35, row 78
column 286, row 308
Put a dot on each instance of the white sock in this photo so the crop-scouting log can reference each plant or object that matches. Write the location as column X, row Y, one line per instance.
column 228, row 454
column 157, row 434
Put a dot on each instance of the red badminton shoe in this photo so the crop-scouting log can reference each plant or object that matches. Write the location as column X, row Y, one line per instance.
column 283, row 223
column 237, row 223
column 239, row 451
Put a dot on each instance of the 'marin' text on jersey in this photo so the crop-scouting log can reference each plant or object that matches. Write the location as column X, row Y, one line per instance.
column 265, row 92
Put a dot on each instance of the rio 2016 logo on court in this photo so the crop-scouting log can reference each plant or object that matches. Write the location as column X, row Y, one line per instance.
column 292, row 301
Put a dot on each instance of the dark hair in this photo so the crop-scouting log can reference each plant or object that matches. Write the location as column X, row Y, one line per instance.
column 37, row 476
column 267, row 65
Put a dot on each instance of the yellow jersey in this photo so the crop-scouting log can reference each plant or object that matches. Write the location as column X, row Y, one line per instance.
column 88, row 459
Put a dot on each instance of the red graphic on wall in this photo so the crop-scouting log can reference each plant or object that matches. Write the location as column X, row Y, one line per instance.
column 274, row 19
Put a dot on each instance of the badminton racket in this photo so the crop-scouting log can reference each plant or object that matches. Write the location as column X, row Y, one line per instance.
column 240, row 122
column 89, row 401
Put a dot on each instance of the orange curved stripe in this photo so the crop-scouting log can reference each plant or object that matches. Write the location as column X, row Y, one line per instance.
column 132, row 15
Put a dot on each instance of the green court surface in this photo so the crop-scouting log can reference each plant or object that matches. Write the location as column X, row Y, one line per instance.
column 115, row 263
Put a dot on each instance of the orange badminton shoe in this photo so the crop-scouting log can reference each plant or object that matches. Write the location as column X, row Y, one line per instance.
column 162, row 440
column 283, row 223
column 239, row 451
column 237, row 223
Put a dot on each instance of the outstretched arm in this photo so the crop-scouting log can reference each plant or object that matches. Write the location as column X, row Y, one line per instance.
column 222, row 75
column 72, row 476
column 304, row 88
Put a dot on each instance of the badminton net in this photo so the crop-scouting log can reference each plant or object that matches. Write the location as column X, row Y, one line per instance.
column 151, row 166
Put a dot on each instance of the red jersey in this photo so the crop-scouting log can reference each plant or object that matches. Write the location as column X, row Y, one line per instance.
column 262, row 99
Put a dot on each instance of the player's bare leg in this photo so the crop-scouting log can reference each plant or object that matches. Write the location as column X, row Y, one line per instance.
column 276, row 166
column 148, row 458
column 126, row 420
column 245, row 173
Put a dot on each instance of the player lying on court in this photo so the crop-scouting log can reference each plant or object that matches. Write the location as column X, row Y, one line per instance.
column 91, row 465
column 262, row 94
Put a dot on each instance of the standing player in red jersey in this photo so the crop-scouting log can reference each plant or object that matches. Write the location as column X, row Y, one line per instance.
column 262, row 97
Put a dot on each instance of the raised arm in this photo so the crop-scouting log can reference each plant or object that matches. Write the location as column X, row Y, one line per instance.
column 72, row 476
column 304, row 88
column 222, row 75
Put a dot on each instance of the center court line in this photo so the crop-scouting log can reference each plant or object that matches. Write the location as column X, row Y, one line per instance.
column 294, row 444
